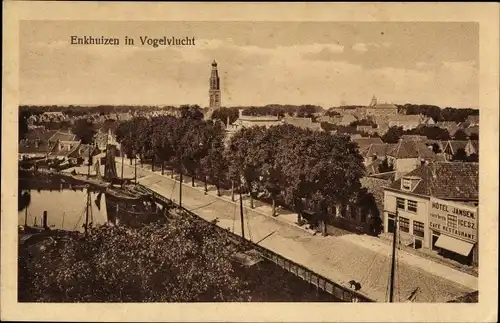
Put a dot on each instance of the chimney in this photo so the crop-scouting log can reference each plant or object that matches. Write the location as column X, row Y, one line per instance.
column 227, row 122
column 240, row 113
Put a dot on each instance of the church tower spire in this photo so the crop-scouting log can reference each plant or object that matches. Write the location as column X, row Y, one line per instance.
column 214, row 91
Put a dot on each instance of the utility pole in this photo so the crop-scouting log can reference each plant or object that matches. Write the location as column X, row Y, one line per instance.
column 180, row 190
column 26, row 217
column 241, row 215
column 393, row 263
column 135, row 168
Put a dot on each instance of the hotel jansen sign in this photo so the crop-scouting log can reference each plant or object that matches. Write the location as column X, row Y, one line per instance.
column 453, row 219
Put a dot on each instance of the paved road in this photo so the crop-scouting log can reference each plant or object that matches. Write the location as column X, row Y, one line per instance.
column 340, row 258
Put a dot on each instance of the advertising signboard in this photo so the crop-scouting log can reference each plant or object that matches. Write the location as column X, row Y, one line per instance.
column 453, row 219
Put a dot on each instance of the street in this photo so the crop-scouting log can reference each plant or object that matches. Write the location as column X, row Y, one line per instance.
column 340, row 258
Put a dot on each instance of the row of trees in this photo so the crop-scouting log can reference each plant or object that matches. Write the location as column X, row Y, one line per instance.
column 438, row 114
column 306, row 111
column 434, row 133
column 294, row 167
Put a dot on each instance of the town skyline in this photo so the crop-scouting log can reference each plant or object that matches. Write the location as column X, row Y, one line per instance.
column 325, row 64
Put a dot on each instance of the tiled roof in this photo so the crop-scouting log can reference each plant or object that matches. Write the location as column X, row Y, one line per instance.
column 64, row 136
column 373, row 167
column 473, row 119
column 475, row 145
column 471, row 130
column 367, row 141
column 405, row 118
column 412, row 149
column 448, row 181
column 304, row 123
column 456, row 145
column 379, row 150
column 65, row 151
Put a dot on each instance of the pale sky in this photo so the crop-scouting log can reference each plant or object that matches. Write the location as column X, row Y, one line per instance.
column 323, row 63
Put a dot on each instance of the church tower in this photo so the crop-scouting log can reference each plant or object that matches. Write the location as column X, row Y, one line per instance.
column 214, row 91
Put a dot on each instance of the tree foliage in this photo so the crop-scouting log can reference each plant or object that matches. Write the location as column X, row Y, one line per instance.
column 84, row 130
column 393, row 135
column 288, row 165
column 460, row 135
column 183, row 261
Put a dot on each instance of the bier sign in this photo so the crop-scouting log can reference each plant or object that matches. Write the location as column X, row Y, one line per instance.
column 453, row 219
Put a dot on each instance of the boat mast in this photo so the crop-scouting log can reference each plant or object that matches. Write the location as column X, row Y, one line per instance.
column 393, row 263
column 87, row 212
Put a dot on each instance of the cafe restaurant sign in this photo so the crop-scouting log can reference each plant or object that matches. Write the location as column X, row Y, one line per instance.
column 453, row 219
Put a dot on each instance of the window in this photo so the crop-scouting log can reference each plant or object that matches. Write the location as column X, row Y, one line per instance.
column 412, row 206
column 404, row 224
column 400, row 203
column 451, row 221
column 418, row 228
column 391, row 223
column 406, row 184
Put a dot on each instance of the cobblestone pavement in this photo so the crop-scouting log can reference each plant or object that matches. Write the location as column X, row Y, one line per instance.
column 340, row 258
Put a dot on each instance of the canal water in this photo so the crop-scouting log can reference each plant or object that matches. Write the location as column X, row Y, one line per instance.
column 66, row 210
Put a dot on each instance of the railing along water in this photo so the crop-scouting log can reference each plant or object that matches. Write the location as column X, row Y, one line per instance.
column 343, row 293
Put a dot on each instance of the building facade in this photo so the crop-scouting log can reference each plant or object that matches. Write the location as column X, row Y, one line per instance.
column 435, row 208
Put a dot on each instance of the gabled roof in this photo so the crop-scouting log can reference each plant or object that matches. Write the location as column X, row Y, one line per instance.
column 65, row 136
column 474, row 144
column 364, row 142
column 412, row 149
column 455, row 145
column 379, row 150
column 447, row 181
column 304, row 123
column 447, row 124
column 471, row 130
column 473, row 119
column 56, row 151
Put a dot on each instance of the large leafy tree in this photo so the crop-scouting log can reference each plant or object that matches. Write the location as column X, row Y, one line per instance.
column 214, row 166
column 245, row 158
column 191, row 112
column 225, row 115
column 126, row 136
column 183, row 261
column 85, row 130
column 392, row 135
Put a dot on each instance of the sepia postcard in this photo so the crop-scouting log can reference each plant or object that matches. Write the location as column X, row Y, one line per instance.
column 247, row 162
